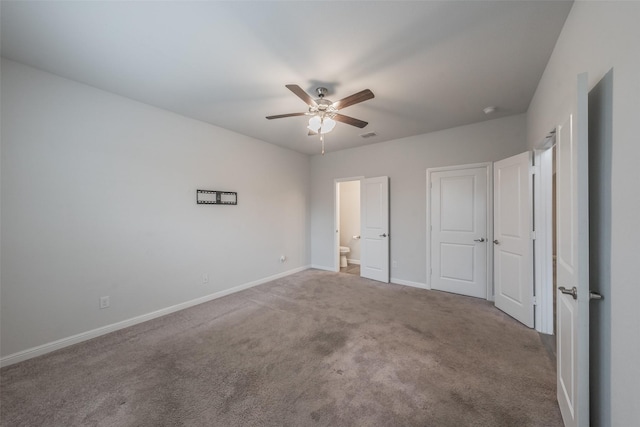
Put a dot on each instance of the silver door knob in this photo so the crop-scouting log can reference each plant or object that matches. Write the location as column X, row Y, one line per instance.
column 573, row 291
column 383, row 235
column 479, row 240
column 496, row 242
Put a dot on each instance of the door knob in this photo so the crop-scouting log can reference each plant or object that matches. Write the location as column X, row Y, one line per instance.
column 479, row 240
column 573, row 291
column 383, row 235
column 496, row 242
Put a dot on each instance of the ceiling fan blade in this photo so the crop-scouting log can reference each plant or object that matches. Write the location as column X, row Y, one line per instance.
column 279, row 116
column 302, row 95
column 312, row 133
column 353, row 99
column 350, row 121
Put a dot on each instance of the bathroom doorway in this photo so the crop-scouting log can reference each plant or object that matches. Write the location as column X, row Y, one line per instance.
column 348, row 226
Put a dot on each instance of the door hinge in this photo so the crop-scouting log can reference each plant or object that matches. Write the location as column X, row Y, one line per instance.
column 535, row 301
column 533, row 235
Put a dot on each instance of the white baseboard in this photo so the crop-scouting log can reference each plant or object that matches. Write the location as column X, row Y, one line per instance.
column 408, row 283
column 353, row 261
column 84, row 336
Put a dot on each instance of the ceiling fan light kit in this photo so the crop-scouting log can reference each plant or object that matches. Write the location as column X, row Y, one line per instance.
column 319, row 124
column 324, row 113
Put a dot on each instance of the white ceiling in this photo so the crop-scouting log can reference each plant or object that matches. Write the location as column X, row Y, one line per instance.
column 432, row 65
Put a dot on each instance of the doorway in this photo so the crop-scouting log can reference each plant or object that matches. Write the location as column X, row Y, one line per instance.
column 348, row 229
column 371, row 236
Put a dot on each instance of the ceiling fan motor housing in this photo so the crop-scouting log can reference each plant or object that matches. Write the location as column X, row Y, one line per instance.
column 324, row 107
column 322, row 91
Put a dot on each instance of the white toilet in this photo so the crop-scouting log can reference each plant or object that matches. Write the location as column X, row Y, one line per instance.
column 344, row 251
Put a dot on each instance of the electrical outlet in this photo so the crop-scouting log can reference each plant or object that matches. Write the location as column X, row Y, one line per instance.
column 104, row 302
column 394, row 264
column 205, row 278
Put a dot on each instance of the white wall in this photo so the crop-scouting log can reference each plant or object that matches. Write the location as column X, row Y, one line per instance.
column 98, row 198
column 598, row 36
column 405, row 161
column 350, row 217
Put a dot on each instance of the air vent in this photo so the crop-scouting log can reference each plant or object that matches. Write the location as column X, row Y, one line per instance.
column 368, row 135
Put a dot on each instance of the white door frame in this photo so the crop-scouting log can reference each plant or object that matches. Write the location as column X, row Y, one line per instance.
column 336, row 218
column 543, row 227
column 489, row 168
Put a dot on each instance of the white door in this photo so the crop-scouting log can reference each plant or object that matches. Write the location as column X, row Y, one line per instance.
column 458, row 213
column 572, row 240
column 374, row 222
column 513, row 245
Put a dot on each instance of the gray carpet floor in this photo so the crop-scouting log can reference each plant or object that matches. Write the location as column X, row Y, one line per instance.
column 312, row 349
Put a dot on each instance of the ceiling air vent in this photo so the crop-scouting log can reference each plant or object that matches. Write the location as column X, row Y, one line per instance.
column 368, row 134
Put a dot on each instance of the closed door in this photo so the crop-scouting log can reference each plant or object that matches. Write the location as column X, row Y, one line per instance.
column 374, row 223
column 572, row 240
column 458, row 243
column 513, row 243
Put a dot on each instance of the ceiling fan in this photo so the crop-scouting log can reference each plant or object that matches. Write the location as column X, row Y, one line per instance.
column 324, row 113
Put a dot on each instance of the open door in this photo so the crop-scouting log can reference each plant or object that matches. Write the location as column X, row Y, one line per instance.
column 572, row 239
column 513, row 242
column 374, row 223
